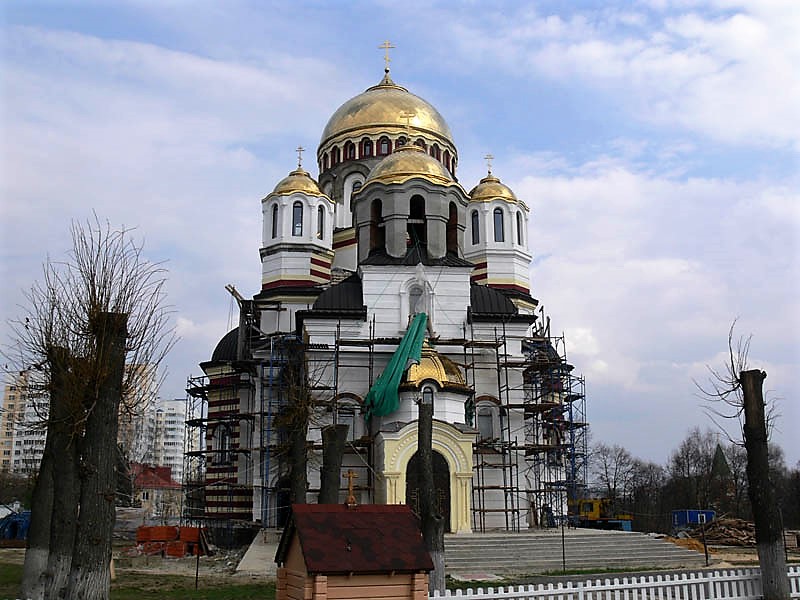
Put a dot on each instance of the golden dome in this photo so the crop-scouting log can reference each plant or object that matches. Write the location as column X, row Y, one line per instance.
column 491, row 188
column 297, row 181
column 435, row 367
column 409, row 162
column 380, row 107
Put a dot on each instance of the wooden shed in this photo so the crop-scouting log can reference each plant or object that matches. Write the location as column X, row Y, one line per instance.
column 364, row 551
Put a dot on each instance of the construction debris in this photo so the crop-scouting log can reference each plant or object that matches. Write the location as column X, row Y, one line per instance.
column 726, row 532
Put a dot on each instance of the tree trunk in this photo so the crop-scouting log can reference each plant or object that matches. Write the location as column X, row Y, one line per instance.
column 769, row 528
column 432, row 521
column 298, row 458
column 90, row 577
column 66, row 397
column 35, row 568
column 334, row 438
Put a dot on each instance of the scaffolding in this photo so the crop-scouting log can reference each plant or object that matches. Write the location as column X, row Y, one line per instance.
column 555, row 428
column 525, row 470
column 542, row 431
column 218, row 475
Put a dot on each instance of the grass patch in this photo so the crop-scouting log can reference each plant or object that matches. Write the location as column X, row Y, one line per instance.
column 141, row 586
column 10, row 576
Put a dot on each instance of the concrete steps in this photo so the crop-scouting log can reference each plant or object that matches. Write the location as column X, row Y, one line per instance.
column 541, row 551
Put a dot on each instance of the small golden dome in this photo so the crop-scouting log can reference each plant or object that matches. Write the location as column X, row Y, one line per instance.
column 409, row 162
column 491, row 188
column 379, row 108
column 297, row 181
column 435, row 367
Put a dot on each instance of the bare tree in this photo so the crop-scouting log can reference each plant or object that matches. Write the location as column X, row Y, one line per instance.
column 690, row 467
column 613, row 468
column 100, row 307
column 739, row 391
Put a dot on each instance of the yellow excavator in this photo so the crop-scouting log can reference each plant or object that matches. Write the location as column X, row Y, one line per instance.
column 598, row 513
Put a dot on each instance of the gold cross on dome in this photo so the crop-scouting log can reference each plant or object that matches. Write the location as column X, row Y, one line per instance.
column 300, row 151
column 408, row 115
column 489, row 158
column 351, row 497
column 385, row 46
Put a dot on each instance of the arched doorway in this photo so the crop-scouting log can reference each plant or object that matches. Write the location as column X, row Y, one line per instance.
column 441, row 483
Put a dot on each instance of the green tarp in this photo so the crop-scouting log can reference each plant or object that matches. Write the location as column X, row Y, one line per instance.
column 382, row 398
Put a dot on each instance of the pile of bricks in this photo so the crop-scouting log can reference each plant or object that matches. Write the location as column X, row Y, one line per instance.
column 165, row 540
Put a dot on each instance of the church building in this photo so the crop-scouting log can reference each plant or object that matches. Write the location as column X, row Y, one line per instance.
column 385, row 245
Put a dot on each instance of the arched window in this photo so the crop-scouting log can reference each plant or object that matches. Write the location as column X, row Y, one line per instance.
column 452, row 230
column 519, row 229
column 297, row 219
column 335, row 156
column 320, row 223
column 416, row 301
column 447, row 159
column 384, row 146
column 485, row 423
column 222, row 445
column 346, row 414
column 499, row 235
column 421, row 143
column 349, row 151
column 428, row 394
column 436, row 152
column 325, row 162
column 476, row 227
column 274, row 221
column 377, row 241
column 401, row 141
column 366, row 148
column 417, row 227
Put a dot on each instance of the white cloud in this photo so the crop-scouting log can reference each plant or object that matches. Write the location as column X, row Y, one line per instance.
column 729, row 74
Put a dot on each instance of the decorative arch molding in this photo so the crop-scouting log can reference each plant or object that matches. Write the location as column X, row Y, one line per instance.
column 394, row 451
column 349, row 396
column 487, row 398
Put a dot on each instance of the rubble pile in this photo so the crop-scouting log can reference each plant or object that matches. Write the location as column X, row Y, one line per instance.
column 726, row 532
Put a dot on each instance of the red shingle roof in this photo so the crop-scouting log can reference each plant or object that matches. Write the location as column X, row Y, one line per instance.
column 152, row 477
column 370, row 538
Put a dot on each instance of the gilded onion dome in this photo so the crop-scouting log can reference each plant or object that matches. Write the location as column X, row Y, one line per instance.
column 380, row 108
column 491, row 188
column 297, row 181
column 409, row 162
column 434, row 367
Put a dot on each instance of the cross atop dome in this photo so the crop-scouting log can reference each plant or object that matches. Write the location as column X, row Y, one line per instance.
column 489, row 158
column 300, row 151
column 385, row 46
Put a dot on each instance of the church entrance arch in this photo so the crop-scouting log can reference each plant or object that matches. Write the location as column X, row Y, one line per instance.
column 441, row 483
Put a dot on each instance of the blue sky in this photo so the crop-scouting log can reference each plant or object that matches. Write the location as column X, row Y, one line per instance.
column 655, row 142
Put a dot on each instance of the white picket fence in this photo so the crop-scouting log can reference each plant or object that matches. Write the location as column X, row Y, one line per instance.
column 736, row 584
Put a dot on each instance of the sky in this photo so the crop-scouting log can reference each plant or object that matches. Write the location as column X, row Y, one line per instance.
column 656, row 144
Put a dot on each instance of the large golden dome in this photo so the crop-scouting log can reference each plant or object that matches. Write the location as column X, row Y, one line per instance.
column 491, row 188
column 409, row 162
column 380, row 108
column 297, row 181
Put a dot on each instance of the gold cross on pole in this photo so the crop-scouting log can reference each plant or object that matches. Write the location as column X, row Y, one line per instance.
column 351, row 497
column 300, row 151
column 385, row 46
column 489, row 158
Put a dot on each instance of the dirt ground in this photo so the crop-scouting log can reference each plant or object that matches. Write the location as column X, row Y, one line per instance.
column 222, row 566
